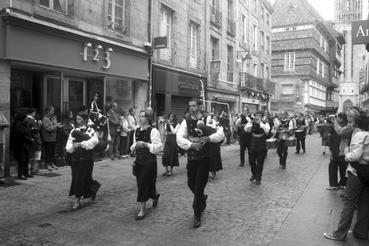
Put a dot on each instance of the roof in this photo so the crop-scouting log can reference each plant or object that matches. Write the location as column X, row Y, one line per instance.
column 268, row 5
column 294, row 12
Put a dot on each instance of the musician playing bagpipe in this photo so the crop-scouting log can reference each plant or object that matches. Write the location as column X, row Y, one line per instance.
column 284, row 128
column 259, row 130
column 81, row 143
column 300, row 133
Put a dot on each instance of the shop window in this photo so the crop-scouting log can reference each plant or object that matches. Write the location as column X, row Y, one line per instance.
column 116, row 15
column 56, row 5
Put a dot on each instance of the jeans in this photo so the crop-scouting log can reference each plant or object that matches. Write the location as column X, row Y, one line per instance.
column 337, row 164
column 356, row 195
column 114, row 148
column 124, row 146
column 282, row 151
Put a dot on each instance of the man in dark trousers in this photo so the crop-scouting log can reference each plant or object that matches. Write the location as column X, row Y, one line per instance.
column 300, row 133
column 259, row 131
column 194, row 137
column 244, row 137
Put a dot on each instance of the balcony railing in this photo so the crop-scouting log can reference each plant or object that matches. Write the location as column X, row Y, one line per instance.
column 215, row 16
column 248, row 81
column 231, row 27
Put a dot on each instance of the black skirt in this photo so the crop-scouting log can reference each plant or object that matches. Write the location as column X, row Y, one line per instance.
column 82, row 182
column 146, row 175
column 215, row 157
column 170, row 155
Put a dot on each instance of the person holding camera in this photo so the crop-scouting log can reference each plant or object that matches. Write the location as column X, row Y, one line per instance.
column 194, row 136
column 146, row 144
column 259, row 129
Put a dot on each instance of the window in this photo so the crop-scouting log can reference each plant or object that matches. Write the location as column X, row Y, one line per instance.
column 255, row 37
column 262, row 13
column 268, row 18
column 262, row 40
column 262, row 66
column 267, row 72
column 256, row 70
column 255, row 6
column 287, row 89
column 56, row 5
column 267, row 45
column 323, row 69
column 229, row 63
column 214, row 48
column 289, row 61
column 116, row 10
column 244, row 29
column 317, row 66
column 193, row 45
column 166, row 31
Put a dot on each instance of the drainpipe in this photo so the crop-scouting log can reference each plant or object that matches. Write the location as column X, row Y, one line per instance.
column 149, row 37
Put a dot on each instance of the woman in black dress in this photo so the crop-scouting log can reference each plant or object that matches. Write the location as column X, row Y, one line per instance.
column 146, row 144
column 214, row 148
column 170, row 156
column 81, row 142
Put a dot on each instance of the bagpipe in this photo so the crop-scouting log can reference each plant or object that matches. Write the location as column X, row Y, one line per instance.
column 80, row 136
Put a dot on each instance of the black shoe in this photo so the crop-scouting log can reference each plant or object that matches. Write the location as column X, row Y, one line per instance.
column 140, row 217
column 258, row 182
column 155, row 201
column 297, row 152
column 283, row 166
column 29, row 176
column 252, row 178
column 304, row 152
column 22, row 178
column 241, row 165
column 196, row 222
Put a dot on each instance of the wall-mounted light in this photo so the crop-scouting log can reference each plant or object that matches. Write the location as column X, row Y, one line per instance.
column 110, row 49
column 98, row 46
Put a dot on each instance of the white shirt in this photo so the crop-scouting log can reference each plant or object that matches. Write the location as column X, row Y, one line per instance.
column 264, row 126
column 154, row 146
column 87, row 145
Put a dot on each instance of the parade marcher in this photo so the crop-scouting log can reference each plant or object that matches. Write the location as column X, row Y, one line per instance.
column 259, row 131
column 22, row 145
column 147, row 145
column 267, row 118
column 48, row 130
column 170, row 155
column 124, row 135
column 81, row 142
column 339, row 141
column 300, row 133
column 114, row 126
column 214, row 148
column 244, row 137
column 284, row 130
column 68, row 126
column 193, row 136
column 356, row 191
column 35, row 151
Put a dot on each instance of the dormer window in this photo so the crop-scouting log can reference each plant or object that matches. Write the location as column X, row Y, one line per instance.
column 291, row 9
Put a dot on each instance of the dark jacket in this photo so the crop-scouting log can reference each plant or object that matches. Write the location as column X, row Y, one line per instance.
column 35, row 133
column 22, row 141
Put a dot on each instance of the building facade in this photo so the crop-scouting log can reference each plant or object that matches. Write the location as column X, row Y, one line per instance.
column 178, row 68
column 305, row 59
column 346, row 11
column 62, row 52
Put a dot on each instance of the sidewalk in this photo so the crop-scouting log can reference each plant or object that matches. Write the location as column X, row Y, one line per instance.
column 317, row 211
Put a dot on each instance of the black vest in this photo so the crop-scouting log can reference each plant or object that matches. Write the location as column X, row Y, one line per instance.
column 195, row 137
column 81, row 154
column 258, row 142
column 143, row 155
column 300, row 123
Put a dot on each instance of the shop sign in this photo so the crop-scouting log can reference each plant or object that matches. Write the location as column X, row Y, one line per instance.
column 97, row 54
column 360, row 32
column 161, row 42
column 188, row 85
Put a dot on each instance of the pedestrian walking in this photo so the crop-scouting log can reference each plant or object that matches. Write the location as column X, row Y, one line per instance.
column 170, row 155
column 356, row 192
column 284, row 130
column 146, row 144
column 22, row 145
column 35, row 150
column 259, row 131
column 49, row 128
column 81, row 142
column 190, row 137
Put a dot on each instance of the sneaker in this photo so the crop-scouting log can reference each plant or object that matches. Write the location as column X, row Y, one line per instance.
column 331, row 236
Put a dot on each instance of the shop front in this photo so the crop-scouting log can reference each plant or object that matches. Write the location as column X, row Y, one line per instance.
column 44, row 64
column 173, row 89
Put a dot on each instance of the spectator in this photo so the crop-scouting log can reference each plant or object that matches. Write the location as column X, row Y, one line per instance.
column 35, row 150
column 132, row 125
column 114, row 123
column 124, row 135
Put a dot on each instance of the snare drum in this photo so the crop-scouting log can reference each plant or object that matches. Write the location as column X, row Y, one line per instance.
column 291, row 142
column 283, row 135
column 271, row 143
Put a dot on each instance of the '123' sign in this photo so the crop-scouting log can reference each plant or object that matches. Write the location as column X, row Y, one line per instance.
column 97, row 53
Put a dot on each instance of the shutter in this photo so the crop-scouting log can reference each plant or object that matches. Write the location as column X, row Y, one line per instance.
column 179, row 106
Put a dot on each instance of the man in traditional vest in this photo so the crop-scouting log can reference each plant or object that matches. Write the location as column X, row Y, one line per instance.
column 259, row 131
column 300, row 133
column 194, row 137
column 244, row 137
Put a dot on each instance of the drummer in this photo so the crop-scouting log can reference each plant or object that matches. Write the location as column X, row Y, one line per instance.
column 259, row 131
column 284, row 128
column 300, row 133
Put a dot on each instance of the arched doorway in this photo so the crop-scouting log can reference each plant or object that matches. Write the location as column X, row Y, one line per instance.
column 347, row 104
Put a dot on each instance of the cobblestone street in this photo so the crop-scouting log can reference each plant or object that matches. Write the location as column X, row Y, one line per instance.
column 238, row 212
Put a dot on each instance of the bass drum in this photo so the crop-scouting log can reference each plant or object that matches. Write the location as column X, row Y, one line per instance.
column 272, row 143
column 291, row 142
